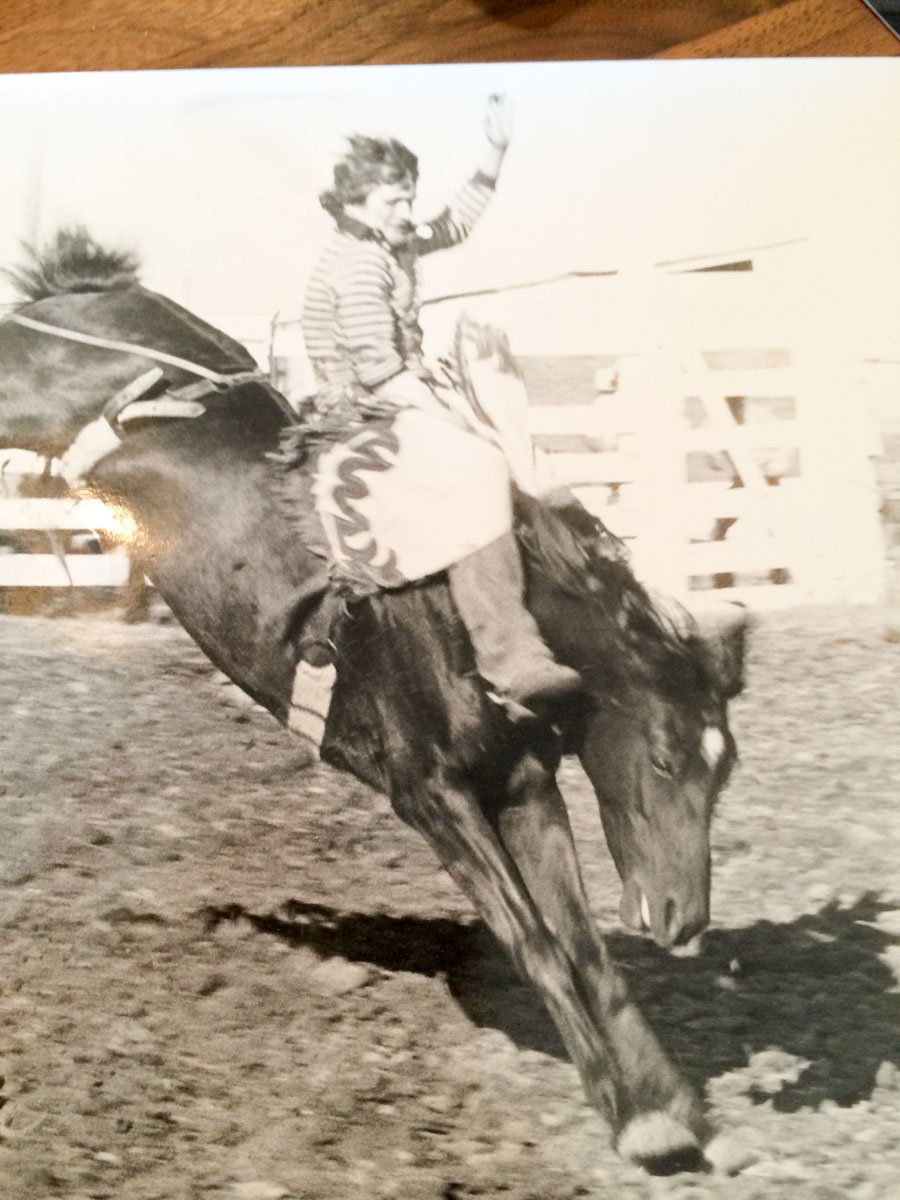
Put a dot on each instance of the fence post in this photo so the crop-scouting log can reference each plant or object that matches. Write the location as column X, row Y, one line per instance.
column 650, row 385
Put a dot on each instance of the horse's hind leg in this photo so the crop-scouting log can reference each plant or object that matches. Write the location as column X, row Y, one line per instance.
column 448, row 814
column 667, row 1122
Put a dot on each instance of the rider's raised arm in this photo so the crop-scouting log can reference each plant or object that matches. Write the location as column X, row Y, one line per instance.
column 498, row 131
column 458, row 219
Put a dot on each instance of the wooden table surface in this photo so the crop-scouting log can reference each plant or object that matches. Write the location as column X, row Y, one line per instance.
column 64, row 35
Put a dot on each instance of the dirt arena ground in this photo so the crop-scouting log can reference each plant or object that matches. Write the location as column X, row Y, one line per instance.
column 228, row 974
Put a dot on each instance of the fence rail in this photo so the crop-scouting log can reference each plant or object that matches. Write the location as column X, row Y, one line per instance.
column 29, row 528
column 720, row 478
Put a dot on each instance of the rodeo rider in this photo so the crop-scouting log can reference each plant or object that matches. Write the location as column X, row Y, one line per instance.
column 362, row 333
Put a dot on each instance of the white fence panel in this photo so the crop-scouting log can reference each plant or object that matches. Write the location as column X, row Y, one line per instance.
column 54, row 514
column 731, row 477
column 43, row 517
column 80, row 570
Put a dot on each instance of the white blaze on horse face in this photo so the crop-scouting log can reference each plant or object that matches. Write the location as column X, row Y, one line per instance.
column 712, row 745
column 645, row 911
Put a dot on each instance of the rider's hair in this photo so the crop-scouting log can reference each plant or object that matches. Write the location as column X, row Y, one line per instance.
column 368, row 163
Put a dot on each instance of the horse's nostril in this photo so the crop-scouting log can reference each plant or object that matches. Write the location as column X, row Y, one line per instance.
column 671, row 920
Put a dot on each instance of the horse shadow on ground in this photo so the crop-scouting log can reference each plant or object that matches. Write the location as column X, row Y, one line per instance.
column 818, row 990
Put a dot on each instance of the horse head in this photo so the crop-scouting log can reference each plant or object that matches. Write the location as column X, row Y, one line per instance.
column 658, row 754
column 653, row 736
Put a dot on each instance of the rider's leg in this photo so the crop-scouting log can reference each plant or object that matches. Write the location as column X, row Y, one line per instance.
column 447, row 500
column 488, row 588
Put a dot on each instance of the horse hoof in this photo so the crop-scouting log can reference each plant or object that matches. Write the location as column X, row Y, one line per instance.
column 728, row 1155
column 660, row 1144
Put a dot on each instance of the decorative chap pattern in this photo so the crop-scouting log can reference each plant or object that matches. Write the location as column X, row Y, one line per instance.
column 341, row 488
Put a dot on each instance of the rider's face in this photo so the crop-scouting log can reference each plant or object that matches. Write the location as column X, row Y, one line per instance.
column 388, row 209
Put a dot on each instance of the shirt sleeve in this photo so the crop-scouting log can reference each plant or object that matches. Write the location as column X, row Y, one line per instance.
column 458, row 219
column 361, row 288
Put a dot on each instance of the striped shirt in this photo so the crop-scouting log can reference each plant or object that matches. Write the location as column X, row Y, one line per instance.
column 361, row 311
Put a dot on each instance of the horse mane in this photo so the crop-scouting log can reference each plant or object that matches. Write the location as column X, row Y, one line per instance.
column 72, row 261
column 573, row 553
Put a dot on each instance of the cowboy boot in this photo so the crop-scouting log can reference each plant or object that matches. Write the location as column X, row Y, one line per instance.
column 488, row 588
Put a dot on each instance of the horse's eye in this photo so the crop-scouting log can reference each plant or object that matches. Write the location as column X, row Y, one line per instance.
column 661, row 766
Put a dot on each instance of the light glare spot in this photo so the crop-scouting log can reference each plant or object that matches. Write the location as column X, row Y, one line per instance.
column 110, row 519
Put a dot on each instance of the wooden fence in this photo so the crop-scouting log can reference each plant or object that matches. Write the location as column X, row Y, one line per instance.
column 726, row 440
column 706, row 489
column 738, row 482
column 55, row 544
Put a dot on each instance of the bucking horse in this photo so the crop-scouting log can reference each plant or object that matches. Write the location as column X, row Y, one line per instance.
column 190, row 431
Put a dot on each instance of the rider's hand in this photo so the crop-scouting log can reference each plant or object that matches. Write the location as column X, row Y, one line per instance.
column 407, row 390
column 498, row 122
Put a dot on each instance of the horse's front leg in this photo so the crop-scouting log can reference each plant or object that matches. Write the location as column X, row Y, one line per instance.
column 666, row 1122
column 446, row 811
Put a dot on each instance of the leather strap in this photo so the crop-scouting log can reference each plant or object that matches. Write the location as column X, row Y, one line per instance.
column 172, row 360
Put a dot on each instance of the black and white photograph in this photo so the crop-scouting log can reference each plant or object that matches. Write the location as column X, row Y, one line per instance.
column 449, row 632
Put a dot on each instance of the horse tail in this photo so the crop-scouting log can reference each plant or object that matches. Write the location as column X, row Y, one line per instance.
column 72, row 261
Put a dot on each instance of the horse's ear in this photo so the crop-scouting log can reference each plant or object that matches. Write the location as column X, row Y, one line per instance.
column 721, row 634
